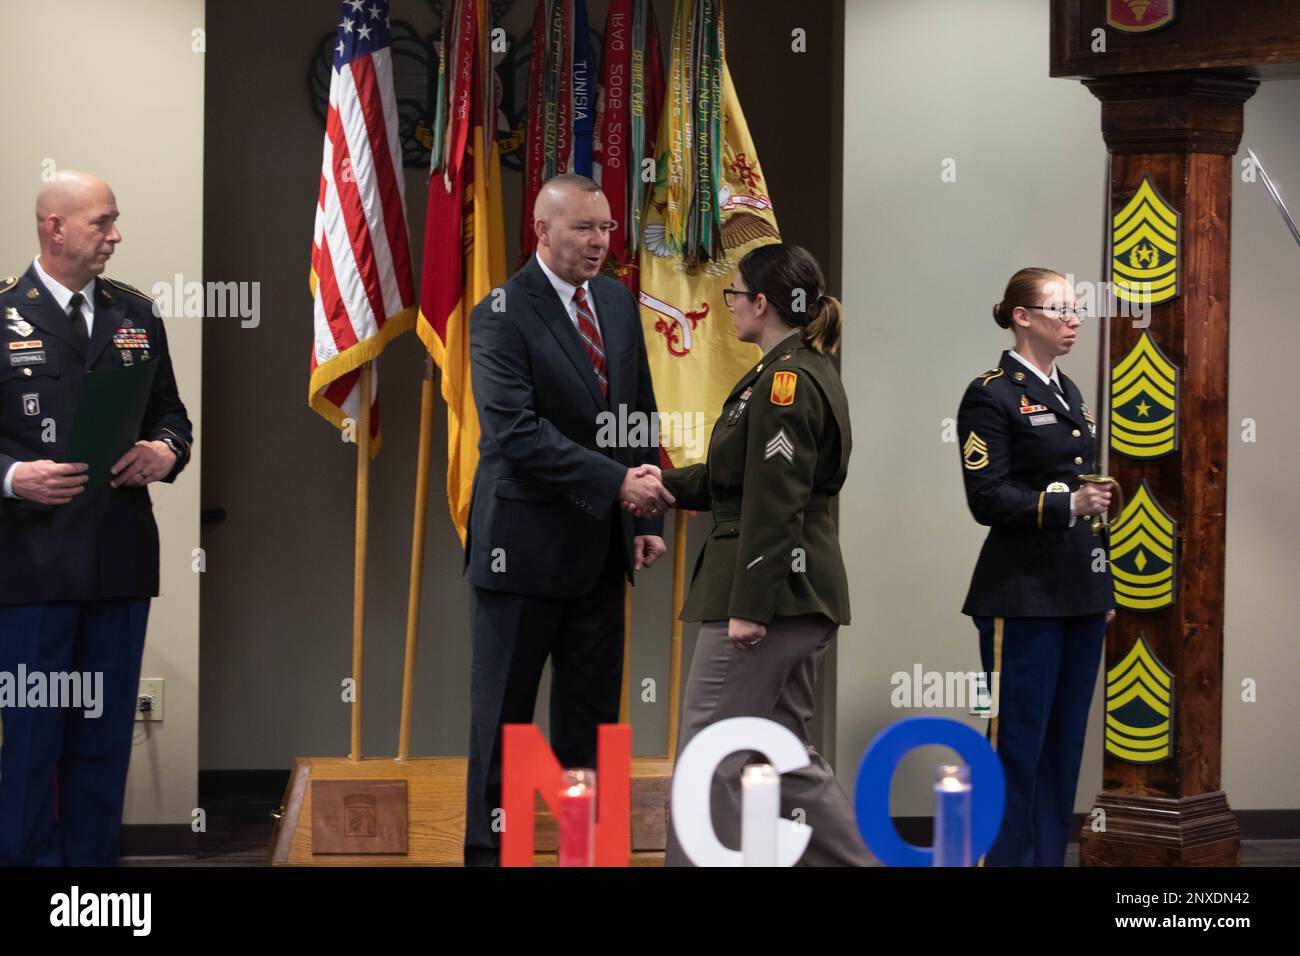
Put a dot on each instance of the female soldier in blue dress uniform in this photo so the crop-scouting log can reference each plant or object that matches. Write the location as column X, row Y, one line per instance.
column 1041, row 594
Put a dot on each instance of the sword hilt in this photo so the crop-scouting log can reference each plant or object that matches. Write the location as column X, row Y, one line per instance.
column 1102, row 520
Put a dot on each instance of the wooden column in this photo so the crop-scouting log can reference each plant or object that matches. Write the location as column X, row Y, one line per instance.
column 1180, row 131
column 1172, row 78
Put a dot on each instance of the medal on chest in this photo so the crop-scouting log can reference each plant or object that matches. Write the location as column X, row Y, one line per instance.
column 738, row 409
column 129, row 341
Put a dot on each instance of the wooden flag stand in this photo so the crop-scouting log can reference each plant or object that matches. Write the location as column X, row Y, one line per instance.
column 343, row 811
column 418, row 805
column 1172, row 117
column 348, row 811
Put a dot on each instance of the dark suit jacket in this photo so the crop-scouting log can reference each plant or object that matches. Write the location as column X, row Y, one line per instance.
column 1033, row 564
column 546, row 491
column 103, row 543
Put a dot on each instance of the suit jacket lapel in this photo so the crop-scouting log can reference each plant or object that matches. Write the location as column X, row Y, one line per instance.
column 555, row 316
column 110, row 311
column 42, row 311
column 1040, row 393
column 749, row 378
column 1075, row 398
column 613, row 333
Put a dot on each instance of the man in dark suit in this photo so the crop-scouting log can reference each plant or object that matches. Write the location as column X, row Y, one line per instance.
column 556, row 355
column 78, row 562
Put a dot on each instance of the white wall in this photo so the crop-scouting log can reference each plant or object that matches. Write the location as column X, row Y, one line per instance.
column 923, row 262
column 117, row 90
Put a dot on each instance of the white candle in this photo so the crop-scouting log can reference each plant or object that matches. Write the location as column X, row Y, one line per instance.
column 952, row 816
column 760, row 809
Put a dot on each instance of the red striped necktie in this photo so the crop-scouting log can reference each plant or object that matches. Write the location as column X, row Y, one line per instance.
column 591, row 337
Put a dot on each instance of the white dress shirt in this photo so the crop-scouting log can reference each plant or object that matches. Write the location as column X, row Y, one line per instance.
column 1045, row 379
column 62, row 295
column 565, row 290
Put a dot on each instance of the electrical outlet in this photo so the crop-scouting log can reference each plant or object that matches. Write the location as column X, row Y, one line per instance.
column 149, row 705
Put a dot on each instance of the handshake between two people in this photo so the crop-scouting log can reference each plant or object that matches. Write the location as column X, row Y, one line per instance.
column 644, row 495
column 643, row 492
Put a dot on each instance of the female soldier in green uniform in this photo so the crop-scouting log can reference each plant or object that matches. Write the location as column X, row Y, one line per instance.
column 1041, row 593
column 769, row 584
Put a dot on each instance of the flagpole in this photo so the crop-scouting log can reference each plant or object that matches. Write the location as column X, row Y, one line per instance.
column 359, row 562
column 417, row 559
column 627, row 653
column 675, row 639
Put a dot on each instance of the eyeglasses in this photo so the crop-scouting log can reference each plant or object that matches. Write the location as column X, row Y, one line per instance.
column 729, row 295
column 1060, row 313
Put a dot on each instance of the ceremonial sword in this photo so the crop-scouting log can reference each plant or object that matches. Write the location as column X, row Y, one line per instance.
column 1103, row 477
column 1277, row 197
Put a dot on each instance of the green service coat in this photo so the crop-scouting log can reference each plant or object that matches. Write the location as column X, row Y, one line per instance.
column 777, row 455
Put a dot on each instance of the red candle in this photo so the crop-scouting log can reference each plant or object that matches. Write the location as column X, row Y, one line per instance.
column 577, row 818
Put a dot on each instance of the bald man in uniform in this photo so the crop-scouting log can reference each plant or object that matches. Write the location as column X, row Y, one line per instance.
column 80, row 562
column 554, row 352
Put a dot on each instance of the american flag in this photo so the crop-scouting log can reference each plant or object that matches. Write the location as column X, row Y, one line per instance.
column 360, row 257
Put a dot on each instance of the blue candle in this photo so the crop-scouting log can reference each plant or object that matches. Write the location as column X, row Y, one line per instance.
column 952, row 815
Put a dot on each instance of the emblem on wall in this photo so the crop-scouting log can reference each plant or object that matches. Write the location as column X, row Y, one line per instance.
column 1139, row 707
column 1140, row 16
column 1144, row 248
column 1144, row 402
column 415, row 78
column 1142, row 554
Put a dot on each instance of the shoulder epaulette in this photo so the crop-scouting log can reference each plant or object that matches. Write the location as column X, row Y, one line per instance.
column 7, row 283
column 990, row 375
column 129, row 288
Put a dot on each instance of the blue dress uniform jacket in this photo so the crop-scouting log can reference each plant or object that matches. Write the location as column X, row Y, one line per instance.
column 777, row 456
column 1016, row 441
column 104, row 543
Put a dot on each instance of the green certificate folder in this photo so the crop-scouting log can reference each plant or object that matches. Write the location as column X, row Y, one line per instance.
column 109, row 414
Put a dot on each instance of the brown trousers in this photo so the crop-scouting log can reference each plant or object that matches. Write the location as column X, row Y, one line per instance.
column 775, row 680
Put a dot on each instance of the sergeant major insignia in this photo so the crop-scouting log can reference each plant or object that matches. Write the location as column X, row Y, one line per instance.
column 1144, row 403
column 1145, row 248
column 1142, row 554
column 1139, row 707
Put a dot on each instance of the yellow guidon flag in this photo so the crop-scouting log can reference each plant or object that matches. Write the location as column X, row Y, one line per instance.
column 1139, row 707
column 1145, row 248
column 709, row 207
column 464, row 250
column 1142, row 543
column 1144, row 402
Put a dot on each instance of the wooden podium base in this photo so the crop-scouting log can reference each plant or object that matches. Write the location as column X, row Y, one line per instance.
column 435, row 812
column 1162, row 831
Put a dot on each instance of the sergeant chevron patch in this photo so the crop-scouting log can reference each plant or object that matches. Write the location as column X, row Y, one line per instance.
column 1139, row 707
column 974, row 454
column 779, row 444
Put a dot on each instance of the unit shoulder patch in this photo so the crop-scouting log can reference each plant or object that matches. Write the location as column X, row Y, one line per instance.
column 783, row 386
